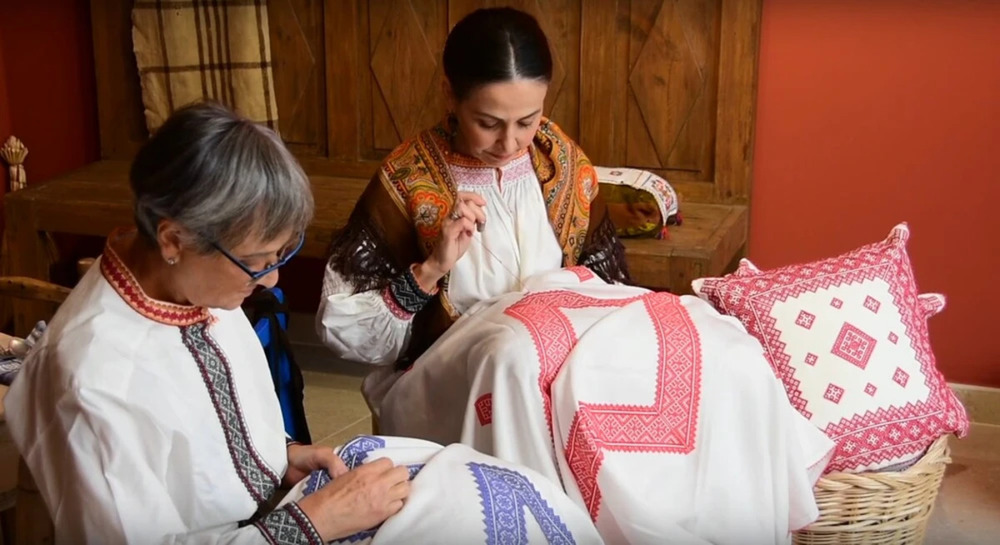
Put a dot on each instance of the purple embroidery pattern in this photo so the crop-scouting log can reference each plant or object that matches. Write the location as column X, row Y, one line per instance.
column 505, row 495
column 317, row 479
column 357, row 450
column 354, row 453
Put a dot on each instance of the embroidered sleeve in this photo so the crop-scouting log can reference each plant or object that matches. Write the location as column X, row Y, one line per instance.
column 288, row 526
column 605, row 255
column 360, row 255
column 368, row 327
column 404, row 293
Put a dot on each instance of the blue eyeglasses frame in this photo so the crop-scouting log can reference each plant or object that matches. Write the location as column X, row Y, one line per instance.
column 257, row 275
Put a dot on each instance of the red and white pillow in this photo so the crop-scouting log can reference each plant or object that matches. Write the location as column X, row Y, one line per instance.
column 848, row 338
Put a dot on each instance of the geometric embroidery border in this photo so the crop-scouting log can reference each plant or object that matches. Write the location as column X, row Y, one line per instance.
column 259, row 479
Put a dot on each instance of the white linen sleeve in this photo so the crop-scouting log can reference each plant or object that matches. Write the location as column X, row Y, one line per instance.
column 366, row 327
column 101, row 465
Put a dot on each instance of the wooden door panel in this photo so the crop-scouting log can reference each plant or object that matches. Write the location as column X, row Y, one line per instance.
column 298, row 63
column 670, row 86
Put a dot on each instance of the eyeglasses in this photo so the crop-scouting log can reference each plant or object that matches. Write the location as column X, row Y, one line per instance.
column 284, row 255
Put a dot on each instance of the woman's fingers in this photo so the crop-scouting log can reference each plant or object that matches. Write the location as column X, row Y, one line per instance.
column 472, row 197
column 394, row 507
column 471, row 206
column 399, row 491
column 464, row 225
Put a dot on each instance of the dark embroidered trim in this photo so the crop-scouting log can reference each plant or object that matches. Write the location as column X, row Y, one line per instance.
column 393, row 306
column 259, row 480
column 605, row 254
column 288, row 526
column 360, row 256
column 407, row 293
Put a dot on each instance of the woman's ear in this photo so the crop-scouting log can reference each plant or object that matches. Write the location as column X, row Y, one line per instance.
column 170, row 238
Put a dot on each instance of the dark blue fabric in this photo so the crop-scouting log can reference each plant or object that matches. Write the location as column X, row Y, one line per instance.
column 269, row 315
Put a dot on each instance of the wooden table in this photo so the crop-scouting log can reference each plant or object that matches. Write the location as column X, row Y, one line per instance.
column 95, row 199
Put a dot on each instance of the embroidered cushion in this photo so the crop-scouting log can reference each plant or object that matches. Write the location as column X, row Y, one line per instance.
column 848, row 338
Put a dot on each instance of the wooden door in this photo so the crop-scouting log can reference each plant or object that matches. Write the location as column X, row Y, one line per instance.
column 663, row 85
column 670, row 86
column 385, row 84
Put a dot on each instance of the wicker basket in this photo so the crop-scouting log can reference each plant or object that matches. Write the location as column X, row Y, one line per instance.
column 878, row 508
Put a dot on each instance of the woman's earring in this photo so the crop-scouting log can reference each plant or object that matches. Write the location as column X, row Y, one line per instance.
column 171, row 261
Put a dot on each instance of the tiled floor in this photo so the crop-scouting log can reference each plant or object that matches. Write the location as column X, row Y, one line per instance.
column 334, row 407
column 967, row 510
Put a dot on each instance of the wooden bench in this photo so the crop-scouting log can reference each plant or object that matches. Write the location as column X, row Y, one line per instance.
column 95, row 199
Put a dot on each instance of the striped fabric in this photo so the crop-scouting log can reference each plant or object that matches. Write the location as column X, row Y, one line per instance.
column 189, row 51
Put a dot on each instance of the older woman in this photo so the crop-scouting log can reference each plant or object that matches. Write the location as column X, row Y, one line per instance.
column 482, row 260
column 147, row 413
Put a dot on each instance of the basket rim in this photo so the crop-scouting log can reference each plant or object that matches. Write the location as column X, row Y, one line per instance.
column 937, row 454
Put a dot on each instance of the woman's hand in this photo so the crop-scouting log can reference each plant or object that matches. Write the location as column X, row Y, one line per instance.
column 456, row 235
column 357, row 500
column 304, row 459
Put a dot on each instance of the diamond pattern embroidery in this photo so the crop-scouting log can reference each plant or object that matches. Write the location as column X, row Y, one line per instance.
column 906, row 425
column 901, row 377
column 871, row 389
column 834, row 393
column 811, row 358
column 854, row 345
column 805, row 319
column 836, row 303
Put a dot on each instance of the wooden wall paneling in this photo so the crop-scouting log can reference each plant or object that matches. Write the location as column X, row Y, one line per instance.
column 669, row 86
column 737, row 111
column 560, row 20
column 672, row 85
column 406, row 38
column 298, row 65
column 343, row 105
column 121, row 123
column 603, row 82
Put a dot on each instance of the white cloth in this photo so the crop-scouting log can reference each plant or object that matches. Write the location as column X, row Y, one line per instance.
column 517, row 242
column 112, row 415
column 459, row 496
column 669, row 425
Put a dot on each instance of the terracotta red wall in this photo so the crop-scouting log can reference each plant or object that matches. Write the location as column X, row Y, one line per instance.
column 5, row 130
column 50, row 90
column 871, row 113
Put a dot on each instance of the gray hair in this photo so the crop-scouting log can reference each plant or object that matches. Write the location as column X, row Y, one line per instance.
column 221, row 176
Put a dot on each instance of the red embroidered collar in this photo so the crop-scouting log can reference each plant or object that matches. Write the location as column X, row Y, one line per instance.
column 124, row 282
